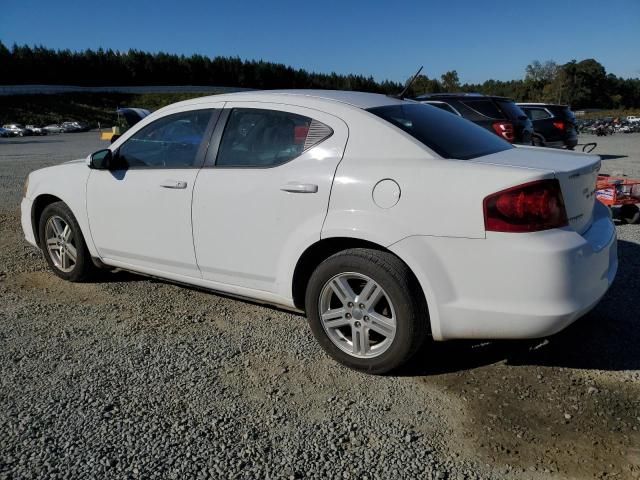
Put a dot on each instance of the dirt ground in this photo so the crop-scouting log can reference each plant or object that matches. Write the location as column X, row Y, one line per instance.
column 152, row 356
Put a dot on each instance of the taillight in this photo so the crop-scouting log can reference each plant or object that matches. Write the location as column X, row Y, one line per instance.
column 559, row 125
column 505, row 130
column 530, row 207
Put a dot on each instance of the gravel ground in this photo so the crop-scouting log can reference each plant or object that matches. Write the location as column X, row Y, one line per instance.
column 135, row 378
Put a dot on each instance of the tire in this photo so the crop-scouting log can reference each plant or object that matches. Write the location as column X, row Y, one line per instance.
column 537, row 141
column 59, row 232
column 630, row 213
column 393, row 325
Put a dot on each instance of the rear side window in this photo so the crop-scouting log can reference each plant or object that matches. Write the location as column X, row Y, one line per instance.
column 448, row 135
column 266, row 138
column 484, row 107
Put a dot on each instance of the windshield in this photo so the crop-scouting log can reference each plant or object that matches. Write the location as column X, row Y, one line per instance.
column 448, row 135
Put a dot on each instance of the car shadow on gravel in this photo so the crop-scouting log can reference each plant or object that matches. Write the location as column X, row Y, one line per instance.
column 612, row 157
column 607, row 338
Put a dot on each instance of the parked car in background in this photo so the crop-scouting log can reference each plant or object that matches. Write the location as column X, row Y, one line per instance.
column 74, row 127
column 633, row 119
column 54, row 128
column 553, row 125
column 36, row 130
column 5, row 133
column 331, row 203
column 16, row 130
column 499, row 115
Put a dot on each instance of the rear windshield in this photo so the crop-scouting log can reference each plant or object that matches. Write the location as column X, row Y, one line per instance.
column 568, row 115
column 448, row 135
column 511, row 109
column 484, row 106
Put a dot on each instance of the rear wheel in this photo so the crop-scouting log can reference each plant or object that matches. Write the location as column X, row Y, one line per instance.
column 63, row 244
column 630, row 213
column 537, row 141
column 366, row 310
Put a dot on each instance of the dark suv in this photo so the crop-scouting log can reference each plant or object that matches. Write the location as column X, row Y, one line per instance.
column 553, row 125
column 499, row 115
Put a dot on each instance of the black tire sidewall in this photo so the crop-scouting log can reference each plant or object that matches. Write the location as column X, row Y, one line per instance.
column 404, row 306
column 83, row 264
column 630, row 213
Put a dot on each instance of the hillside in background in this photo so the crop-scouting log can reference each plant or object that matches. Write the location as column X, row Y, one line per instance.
column 91, row 108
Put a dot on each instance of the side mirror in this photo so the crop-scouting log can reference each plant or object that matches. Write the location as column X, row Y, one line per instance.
column 101, row 160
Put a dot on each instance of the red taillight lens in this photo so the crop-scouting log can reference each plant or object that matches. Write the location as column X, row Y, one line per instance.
column 505, row 130
column 559, row 125
column 530, row 207
column 300, row 134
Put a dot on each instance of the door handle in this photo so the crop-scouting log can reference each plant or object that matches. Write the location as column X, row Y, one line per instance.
column 294, row 187
column 173, row 184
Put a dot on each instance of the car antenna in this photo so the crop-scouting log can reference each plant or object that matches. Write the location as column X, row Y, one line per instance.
column 406, row 88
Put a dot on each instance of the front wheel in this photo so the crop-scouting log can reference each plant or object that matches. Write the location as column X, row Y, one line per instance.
column 63, row 244
column 366, row 310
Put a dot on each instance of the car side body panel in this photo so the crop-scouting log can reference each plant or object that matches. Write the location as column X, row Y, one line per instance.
column 67, row 182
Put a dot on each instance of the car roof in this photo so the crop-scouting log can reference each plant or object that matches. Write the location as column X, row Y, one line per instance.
column 362, row 100
column 435, row 96
column 540, row 104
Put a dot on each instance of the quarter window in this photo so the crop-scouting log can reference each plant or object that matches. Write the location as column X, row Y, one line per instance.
column 169, row 142
column 266, row 138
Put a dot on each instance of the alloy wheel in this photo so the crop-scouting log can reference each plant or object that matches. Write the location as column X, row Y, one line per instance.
column 357, row 315
column 61, row 244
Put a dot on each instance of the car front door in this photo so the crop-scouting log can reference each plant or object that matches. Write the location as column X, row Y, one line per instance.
column 263, row 194
column 140, row 209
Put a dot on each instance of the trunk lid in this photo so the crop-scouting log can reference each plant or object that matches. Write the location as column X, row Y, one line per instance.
column 576, row 172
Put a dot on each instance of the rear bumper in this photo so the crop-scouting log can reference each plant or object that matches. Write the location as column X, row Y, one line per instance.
column 510, row 286
column 25, row 219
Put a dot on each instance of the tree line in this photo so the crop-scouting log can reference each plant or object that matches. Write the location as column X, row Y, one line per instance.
column 581, row 84
column 22, row 64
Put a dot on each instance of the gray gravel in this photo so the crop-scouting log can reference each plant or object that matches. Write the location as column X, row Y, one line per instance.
column 135, row 378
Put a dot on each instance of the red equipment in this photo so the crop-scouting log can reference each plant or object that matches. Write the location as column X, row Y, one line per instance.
column 620, row 192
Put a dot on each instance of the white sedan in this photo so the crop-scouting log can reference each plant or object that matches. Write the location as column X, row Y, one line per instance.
column 383, row 220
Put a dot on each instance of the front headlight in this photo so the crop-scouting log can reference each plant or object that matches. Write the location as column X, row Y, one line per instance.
column 26, row 187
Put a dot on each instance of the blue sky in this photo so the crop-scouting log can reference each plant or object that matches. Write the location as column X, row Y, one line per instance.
column 389, row 40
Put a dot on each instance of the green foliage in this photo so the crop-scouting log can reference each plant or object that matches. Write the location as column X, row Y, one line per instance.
column 38, row 65
column 450, row 81
column 583, row 84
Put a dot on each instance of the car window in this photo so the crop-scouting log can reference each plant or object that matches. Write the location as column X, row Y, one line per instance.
column 448, row 135
column 484, row 107
column 537, row 113
column 265, row 138
column 443, row 106
column 169, row 142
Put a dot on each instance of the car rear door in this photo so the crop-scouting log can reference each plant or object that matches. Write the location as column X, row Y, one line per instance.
column 262, row 196
column 140, row 209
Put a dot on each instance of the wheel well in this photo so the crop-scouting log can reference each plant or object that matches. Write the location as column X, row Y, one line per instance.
column 39, row 204
column 316, row 254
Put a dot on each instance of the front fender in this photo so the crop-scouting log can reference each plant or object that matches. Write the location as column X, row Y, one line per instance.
column 68, row 182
